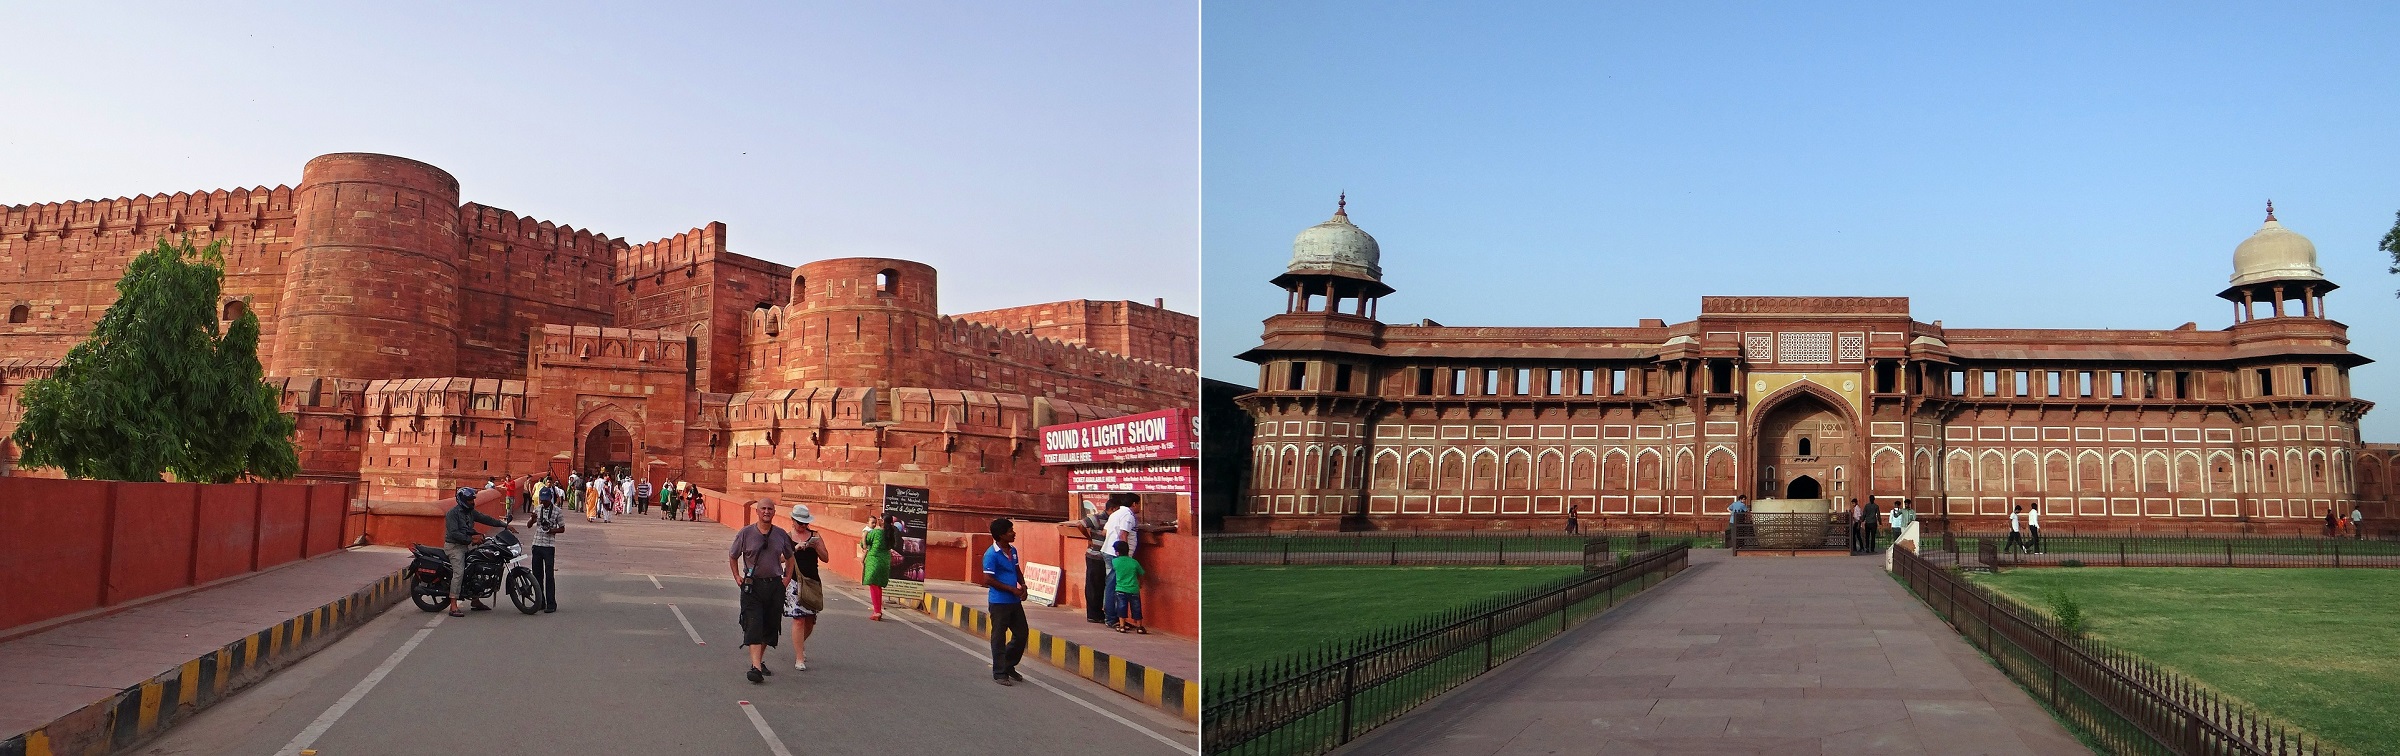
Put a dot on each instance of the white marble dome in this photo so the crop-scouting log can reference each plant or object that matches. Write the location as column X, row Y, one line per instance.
column 1336, row 246
column 2275, row 253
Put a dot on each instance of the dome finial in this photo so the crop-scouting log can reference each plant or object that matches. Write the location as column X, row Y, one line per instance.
column 1341, row 205
column 2270, row 210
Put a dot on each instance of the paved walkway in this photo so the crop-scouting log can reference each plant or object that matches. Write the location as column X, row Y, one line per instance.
column 1750, row 655
column 53, row 673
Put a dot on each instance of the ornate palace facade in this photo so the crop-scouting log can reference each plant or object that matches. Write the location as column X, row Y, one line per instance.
column 426, row 343
column 1367, row 425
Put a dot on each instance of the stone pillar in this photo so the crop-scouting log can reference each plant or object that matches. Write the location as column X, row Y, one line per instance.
column 371, row 287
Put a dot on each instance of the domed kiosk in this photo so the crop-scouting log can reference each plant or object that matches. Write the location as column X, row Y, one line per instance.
column 2276, row 265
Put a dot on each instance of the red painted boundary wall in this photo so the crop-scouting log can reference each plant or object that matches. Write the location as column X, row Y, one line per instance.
column 70, row 546
column 1170, row 592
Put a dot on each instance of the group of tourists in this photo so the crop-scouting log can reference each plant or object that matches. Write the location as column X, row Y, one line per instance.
column 1111, row 573
column 603, row 495
column 776, row 571
column 2353, row 525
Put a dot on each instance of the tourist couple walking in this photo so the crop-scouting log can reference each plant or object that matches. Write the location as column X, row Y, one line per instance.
column 777, row 572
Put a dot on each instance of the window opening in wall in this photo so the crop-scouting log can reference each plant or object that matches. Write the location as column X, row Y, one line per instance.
column 2022, row 378
column 2266, row 382
column 2116, row 384
column 1341, row 377
column 1958, row 382
column 234, row 309
column 799, row 289
column 2308, row 380
column 1720, row 376
column 1557, row 383
column 1296, row 377
column 1491, row 381
column 2183, row 384
column 19, row 314
column 1424, row 381
column 1616, row 381
column 2053, row 385
column 1585, row 380
column 1991, row 382
column 887, row 281
column 1458, row 381
column 1524, row 381
column 2149, row 385
column 1886, row 374
column 1805, row 449
column 2083, row 384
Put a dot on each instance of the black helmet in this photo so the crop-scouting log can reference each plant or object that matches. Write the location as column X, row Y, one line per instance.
column 466, row 495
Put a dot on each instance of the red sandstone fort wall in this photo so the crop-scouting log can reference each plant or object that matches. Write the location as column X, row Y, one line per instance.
column 691, row 284
column 1134, row 330
column 61, row 260
column 517, row 274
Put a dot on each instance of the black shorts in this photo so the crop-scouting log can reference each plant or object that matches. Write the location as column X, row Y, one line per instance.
column 762, row 612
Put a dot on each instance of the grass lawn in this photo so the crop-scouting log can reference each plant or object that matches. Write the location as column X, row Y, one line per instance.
column 2313, row 647
column 1256, row 613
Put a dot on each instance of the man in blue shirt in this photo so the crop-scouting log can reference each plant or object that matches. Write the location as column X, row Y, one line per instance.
column 1005, row 596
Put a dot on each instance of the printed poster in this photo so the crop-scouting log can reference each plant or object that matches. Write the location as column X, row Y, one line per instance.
column 908, row 506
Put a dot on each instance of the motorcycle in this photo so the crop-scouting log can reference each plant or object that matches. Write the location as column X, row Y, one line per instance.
column 488, row 562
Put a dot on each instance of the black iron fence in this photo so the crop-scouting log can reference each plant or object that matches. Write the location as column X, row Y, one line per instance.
column 2122, row 703
column 1312, row 702
column 1431, row 547
column 2142, row 550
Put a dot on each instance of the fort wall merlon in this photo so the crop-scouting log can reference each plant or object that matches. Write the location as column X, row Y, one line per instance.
column 1150, row 332
column 171, row 213
column 606, row 348
column 682, row 251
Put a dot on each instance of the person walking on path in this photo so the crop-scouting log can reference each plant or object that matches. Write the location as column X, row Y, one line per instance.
column 2033, row 529
column 604, row 496
column 804, row 593
column 1856, row 534
column 2016, row 538
column 2358, row 523
column 547, row 521
column 1573, row 526
column 757, row 558
column 2330, row 522
column 1004, row 598
column 1126, row 594
column 458, row 532
column 641, row 498
column 875, row 551
column 625, row 495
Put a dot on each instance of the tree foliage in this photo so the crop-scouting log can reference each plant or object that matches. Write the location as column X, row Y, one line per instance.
column 2391, row 243
column 157, row 389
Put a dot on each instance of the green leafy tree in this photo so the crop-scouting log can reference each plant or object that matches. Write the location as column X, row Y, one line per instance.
column 156, row 389
column 2391, row 243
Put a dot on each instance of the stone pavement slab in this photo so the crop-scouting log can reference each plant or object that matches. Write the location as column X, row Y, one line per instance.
column 1749, row 655
column 57, row 672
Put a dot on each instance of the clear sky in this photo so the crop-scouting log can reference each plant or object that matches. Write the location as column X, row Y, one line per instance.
column 1032, row 151
column 2074, row 165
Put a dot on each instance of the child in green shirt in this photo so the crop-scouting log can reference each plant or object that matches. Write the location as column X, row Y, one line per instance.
column 1127, row 593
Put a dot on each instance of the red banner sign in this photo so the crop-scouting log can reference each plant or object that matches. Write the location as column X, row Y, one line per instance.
column 1165, row 434
column 1169, row 476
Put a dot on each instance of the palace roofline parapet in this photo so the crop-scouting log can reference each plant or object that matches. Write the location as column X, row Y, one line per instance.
column 982, row 336
column 547, row 235
column 144, row 210
column 611, row 347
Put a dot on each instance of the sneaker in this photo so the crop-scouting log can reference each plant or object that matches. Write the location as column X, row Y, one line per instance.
column 756, row 675
column 1003, row 680
column 764, row 670
column 800, row 665
column 1016, row 676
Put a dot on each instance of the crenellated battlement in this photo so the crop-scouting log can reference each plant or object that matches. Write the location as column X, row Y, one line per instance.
column 1032, row 350
column 618, row 348
column 677, row 252
column 496, row 223
column 149, row 212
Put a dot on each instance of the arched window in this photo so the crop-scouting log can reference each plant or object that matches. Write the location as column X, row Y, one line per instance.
column 799, row 288
column 887, row 282
column 19, row 314
column 234, row 309
column 1804, row 447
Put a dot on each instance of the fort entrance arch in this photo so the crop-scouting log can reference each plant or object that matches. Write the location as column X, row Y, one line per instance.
column 607, row 445
column 1803, row 448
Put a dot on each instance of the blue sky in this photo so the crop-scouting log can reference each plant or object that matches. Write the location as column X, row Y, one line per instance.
column 1033, row 151
column 2070, row 165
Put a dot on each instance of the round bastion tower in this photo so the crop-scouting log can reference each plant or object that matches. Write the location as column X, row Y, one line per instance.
column 371, row 288
column 863, row 321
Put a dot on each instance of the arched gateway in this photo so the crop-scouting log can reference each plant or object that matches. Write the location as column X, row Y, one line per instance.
column 608, row 445
column 1803, row 449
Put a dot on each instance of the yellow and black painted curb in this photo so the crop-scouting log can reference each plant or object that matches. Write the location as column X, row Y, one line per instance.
column 1173, row 694
column 132, row 715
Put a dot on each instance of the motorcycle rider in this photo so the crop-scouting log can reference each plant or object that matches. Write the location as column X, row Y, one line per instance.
column 458, row 531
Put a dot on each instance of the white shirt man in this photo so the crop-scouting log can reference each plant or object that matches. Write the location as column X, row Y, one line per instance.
column 1121, row 525
column 625, row 496
column 2033, row 519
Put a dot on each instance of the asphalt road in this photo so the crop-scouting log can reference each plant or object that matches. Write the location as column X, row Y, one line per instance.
column 615, row 671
